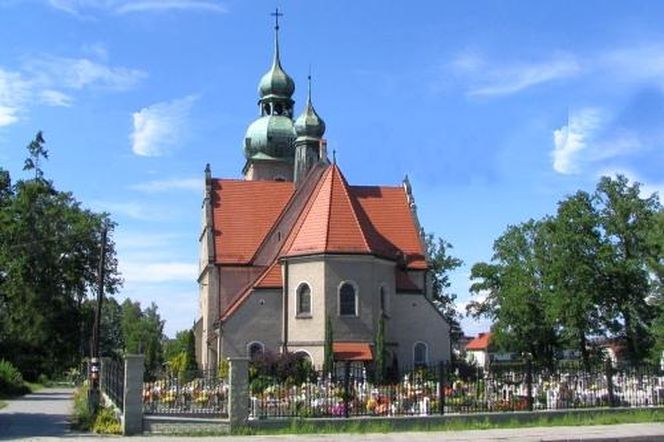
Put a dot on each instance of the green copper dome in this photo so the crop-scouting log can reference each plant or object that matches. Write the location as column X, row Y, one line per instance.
column 309, row 123
column 276, row 82
column 270, row 137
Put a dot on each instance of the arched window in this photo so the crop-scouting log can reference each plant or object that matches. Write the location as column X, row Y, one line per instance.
column 303, row 355
column 420, row 354
column 347, row 299
column 303, row 303
column 255, row 350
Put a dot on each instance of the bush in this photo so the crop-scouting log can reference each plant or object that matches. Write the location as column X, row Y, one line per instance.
column 106, row 422
column 11, row 380
column 83, row 417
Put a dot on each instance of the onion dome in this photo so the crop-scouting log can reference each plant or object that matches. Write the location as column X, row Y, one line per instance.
column 276, row 82
column 270, row 137
column 309, row 123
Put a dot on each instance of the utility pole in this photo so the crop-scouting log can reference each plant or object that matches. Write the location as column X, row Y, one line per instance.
column 93, row 393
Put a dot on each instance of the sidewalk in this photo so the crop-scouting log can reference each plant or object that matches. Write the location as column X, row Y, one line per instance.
column 44, row 413
column 43, row 416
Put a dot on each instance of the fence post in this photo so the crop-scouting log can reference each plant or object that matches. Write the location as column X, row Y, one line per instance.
column 346, row 387
column 441, row 387
column 529, row 381
column 132, row 410
column 238, row 394
column 609, row 382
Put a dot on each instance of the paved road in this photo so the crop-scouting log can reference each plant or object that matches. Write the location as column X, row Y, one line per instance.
column 44, row 413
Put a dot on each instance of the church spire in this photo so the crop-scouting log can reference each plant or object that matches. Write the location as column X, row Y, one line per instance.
column 309, row 128
column 276, row 61
column 268, row 142
column 276, row 85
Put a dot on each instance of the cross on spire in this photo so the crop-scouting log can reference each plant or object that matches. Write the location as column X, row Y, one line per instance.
column 276, row 14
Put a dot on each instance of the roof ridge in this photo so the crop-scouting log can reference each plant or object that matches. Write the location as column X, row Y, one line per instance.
column 353, row 208
column 306, row 209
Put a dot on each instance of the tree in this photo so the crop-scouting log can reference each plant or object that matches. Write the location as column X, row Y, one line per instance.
column 49, row 253
column 627, row 221
column 143, row 332
column 441, row 263
column 180, row 353
column 328, row 362
column 381, row 366
column 514, row 296
column 572, row 272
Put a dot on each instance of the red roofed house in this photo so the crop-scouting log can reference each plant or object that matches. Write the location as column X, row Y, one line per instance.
column 293, row 243
column 477, row 350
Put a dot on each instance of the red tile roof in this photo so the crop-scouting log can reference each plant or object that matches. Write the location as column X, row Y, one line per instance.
column 244, row 211
column 271, row 278
column 330, row 223
column 327, row 216
column 481, row 342
column 390, row 223
column 352, row 351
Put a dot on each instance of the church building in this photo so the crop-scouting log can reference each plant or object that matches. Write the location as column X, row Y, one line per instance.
column 293, row 246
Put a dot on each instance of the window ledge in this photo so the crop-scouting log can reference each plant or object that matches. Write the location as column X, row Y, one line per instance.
column 303, row 316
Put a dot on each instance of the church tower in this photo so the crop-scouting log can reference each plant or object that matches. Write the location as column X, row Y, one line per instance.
column 309, row 147
column 268, row 143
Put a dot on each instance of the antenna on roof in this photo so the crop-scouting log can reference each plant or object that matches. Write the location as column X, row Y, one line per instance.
column 334, row 156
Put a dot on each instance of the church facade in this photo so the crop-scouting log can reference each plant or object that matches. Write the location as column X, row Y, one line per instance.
column 294, row 246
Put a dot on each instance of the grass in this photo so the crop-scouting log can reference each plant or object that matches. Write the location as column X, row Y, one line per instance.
column 3, row 404
column 463, row 423
column 608, row 417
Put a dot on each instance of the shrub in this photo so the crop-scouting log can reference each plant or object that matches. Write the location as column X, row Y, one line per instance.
column 106, row 422
column 83, row 417
column 11, row 380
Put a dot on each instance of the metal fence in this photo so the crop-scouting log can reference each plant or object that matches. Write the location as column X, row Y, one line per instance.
column 112, row 381
column 354, row 390
column 195, row 393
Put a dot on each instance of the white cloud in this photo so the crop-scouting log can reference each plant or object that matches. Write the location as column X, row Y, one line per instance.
column 52, row 97
column 14, row 96
column 160, row 127
column 153, row 272
column 571, row 139
column 135, row 210
column 50, row 81
column 79, row 73
column 503, row 79
column 83, row 8
column 163, row 5
column 194, row 184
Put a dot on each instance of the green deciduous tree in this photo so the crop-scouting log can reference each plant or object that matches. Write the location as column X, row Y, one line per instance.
column 572, row 272
column 627, row 221
column 514, row 295
column 593, row 270
column 143, row 332
column 441, row 263
column 49, row 253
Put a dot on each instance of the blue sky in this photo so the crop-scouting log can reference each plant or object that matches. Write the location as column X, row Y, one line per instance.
column 495, row 109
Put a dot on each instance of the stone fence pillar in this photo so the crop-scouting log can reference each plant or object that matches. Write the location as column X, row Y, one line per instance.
column 132, row 411
column 238, row 395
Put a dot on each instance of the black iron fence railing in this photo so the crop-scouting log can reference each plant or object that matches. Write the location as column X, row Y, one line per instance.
column 195, row 393
column 112, row 381
column 355, row 390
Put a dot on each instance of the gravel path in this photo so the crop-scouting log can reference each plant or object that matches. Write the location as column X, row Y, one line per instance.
column 44, row 413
